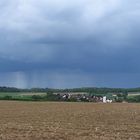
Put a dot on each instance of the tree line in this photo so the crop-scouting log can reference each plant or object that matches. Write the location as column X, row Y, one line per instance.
column 86, row 89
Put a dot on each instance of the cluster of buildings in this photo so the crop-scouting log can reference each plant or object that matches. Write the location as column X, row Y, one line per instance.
column 84, row 97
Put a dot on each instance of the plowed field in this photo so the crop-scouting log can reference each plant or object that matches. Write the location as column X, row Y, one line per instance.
column 69, row 121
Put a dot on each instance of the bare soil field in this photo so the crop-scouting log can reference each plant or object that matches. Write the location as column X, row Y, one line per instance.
column 69, row 121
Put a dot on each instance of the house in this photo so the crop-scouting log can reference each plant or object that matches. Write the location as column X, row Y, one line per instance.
column 104, row 99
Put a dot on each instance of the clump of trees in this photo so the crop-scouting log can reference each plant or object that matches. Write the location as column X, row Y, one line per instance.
column 135, row 99
column 121, row 97
column 86, row 89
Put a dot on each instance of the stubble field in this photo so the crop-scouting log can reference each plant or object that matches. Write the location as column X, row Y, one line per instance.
column 69, row 121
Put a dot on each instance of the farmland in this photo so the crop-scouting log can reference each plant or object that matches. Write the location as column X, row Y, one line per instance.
column 69, row 121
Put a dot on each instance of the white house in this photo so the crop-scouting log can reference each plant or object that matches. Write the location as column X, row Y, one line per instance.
column 104, row 99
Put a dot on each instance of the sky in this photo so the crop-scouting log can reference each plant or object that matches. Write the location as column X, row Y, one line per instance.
column 68, row 44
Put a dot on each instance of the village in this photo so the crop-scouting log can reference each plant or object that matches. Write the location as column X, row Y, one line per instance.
column 85, row 97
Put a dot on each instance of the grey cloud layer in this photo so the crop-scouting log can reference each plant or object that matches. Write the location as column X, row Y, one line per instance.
column 91, row 36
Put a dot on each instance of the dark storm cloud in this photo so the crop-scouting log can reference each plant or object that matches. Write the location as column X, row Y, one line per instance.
column 83, row 39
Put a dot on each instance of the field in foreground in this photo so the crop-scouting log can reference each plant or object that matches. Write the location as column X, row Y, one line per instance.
column 69, row 121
